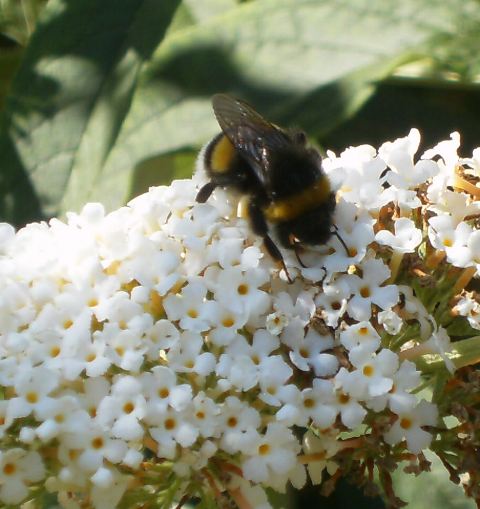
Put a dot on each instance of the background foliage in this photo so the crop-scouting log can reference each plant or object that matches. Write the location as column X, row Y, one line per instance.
column 100, row 100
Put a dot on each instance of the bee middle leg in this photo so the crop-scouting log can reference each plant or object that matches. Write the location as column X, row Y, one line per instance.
column 298, row 249
column 259, row 226
column 335, row 232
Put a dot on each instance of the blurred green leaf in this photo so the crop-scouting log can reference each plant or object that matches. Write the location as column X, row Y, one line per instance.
column 9, row 61
column 70, row 97
column 161, row 170
column 431, row 489
column 308, row 62
column 82, row 118
column 192, row 12
column 202, row 10
column 19, row 17
column 436, row 109
column 460, row 55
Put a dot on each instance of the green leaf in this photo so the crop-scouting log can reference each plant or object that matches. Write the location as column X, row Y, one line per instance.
column 70, row 97
column 84, row 114
column 9, row 61
column 308, row 62
column 460, row 328
column 162, row 170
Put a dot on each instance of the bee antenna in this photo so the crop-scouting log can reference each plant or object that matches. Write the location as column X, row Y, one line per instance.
column 335, row 232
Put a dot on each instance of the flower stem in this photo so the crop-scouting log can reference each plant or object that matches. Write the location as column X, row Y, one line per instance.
column 240, row 500
column 463, row 353
column 395, row 263
column 461, row 183
column 464, row 279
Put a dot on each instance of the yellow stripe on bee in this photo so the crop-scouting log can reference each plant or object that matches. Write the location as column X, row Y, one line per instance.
column 222, row 155
column 296, row 205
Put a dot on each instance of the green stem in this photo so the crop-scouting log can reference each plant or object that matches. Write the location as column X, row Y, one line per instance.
column 463, row 353
column 395, row 262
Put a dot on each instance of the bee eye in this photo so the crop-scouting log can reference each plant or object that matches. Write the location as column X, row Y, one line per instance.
column 315, row 155
column 300, row 137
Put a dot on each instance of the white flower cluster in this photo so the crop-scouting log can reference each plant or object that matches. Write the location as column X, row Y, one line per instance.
column 160, row 343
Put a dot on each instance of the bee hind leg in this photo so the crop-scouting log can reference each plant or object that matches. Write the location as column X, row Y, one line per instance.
column 274, row 252
column 204, row 194
column 259, row 226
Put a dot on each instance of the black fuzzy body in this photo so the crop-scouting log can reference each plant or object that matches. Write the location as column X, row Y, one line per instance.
column 281, row 176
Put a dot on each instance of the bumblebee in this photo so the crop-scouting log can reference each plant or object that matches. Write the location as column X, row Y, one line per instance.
column 280, row 175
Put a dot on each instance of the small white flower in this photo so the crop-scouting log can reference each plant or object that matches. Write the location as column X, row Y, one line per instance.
column 253, row 494
column 360, row 171
column 109, row 488
column 18, row 468
column 243, row 363
column 351, row 411
column 32, row 387
column 188, row 357
column 239, row 421
column 360, row 334
column 367, row 290
column 333, row 301
column 94, row 445
column 317, row 403
column 399, row 155
column 190, row 308
column 405, row 239
column 205, row 414
column 274, row 372
column 447, row 150
column 398, row 398
column 225, row 324
column 473, row 163
column 439, row 343
column 162, row 335
column 123, row 410
column 276, row 322
column 172, row 428
column 452, row 239
column 372, row 376
column 271, row 457
column 61, row 415
column 323, row 446
column 409, row 424
column 308, row 353
column 238, row 290
column 470, row 308
column 355, row 227
column 161, row 390
column 391, row 322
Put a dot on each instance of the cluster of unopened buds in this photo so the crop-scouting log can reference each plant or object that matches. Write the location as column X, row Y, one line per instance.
column 157, row 354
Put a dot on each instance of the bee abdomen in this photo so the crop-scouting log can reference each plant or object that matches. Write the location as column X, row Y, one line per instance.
column 294, row 206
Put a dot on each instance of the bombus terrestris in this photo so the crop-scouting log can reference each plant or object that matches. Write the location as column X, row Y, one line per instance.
column 279, row 173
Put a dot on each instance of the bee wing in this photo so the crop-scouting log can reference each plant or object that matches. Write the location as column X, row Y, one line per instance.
column 249, row 132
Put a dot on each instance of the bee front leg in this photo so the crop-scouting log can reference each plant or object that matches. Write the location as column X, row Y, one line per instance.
column 204, row 194
column 260, row 227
